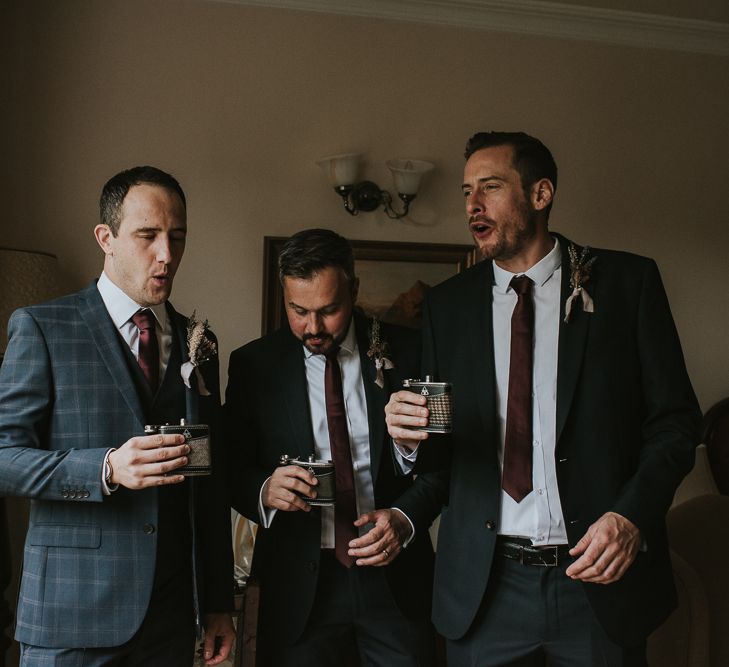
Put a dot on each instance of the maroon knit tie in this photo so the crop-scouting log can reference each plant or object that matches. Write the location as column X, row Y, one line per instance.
column 517, row 476
column 148, row 347
column 345, row 510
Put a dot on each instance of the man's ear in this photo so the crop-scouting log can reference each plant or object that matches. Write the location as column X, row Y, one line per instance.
column 103, row 236
column 542, row 194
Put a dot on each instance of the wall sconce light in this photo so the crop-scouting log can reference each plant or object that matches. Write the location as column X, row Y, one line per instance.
column 342, row 171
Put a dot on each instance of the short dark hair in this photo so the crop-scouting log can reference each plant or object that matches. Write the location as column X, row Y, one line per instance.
column 532, row 159
column 117, row 188
column 311, row 250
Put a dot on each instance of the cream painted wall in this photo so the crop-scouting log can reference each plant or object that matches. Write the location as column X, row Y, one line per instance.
column 239, row 102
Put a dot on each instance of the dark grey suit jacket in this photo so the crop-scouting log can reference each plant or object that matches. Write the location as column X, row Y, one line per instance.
column 66, row 396
column 267, row 414
column 627, row 427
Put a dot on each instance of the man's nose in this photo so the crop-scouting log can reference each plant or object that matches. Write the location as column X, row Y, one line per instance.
column 473, row 204
column 313, row 323
column 163, row 251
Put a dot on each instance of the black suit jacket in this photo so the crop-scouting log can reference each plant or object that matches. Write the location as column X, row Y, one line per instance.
column 267, row 414
column 627, row 426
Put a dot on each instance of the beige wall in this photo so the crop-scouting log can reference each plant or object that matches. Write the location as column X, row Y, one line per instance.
column 239, row 102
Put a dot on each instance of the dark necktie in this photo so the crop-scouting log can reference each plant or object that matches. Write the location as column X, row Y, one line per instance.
column 345, row 509
column 517, row 476
column 148, row 347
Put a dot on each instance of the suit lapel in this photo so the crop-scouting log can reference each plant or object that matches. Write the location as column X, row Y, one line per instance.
column 108, row 343
column 192, row 393
column 291, row 368
column 572, row 340
column 481, row 342
column 375, row 396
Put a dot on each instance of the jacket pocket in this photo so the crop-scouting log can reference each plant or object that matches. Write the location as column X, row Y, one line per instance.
column 65, row 535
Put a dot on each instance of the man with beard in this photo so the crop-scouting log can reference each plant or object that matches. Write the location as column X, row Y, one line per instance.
column 357, row 576
column 574, row 422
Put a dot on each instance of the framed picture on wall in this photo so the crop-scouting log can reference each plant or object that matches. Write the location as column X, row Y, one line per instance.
column 394, row 277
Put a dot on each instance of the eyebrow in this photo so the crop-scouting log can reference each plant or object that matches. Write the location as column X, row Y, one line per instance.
column 485, row 179
column 293, row 304
column 143, row 230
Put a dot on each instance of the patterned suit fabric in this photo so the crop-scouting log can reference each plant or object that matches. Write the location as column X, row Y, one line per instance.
column 66, row 396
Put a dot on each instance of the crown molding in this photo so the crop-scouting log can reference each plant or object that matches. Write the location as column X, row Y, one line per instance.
column 532, row 17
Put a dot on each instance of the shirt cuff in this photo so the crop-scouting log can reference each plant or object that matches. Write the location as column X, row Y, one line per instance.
column 265, row 513
column 412, row 529
column 107, row 488
column 405, row 458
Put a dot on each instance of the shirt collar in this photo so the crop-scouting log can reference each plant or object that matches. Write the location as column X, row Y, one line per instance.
column 540, row 273
column 347, row 346
column 121, row 307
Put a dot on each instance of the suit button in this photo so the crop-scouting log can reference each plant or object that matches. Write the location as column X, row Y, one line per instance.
column 490, row 525
column 148, row 528
column 73, row 494
column 86, row 493
column 311, row 566
column 64, row 493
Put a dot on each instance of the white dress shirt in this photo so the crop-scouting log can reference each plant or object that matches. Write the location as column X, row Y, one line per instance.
column 355, row 403
column 539, row 515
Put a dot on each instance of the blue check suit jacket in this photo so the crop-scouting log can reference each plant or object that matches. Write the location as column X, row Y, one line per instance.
column 66, row 397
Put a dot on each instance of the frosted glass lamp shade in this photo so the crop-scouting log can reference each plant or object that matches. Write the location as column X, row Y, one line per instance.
column 407, row 174
column 341, row 170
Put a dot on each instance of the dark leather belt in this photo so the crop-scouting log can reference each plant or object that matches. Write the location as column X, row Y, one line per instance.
column 522, row 550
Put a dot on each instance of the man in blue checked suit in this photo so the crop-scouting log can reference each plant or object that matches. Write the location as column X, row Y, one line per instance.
column 124, row 556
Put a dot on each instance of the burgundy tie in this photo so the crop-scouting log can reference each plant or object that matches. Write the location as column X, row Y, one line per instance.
column 345, row 510
column 517, row 476
column 148, row 347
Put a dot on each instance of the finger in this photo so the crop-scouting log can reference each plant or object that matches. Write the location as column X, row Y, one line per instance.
column 585, row 561
column 294, row 472
column 369, row 517
column 289, row 502
column 161, row 480
column 382, row 557
column 209, row 645
column 159, row 440
column 581, row 545
column 157, row 454
column 223, row 652
column 407, row 397
column 294, row 485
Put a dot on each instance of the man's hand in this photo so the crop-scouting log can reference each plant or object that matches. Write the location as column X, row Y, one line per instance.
column 380, row 545
column 147, row 460
column 606, row 550
column 219, row 631
column 405, row 410
column 278, row 491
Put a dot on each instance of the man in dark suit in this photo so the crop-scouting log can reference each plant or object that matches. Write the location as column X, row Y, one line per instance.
column 123, row 553
column 574, row 422
column 357, row 575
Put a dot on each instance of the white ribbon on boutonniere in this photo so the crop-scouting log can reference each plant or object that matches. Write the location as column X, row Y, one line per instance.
column 199, row 350
column 580, row 269
column 378, row 353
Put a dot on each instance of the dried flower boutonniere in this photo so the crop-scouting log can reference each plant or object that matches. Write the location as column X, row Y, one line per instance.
column 580, row 269
column 199, row 350
column 378, row 353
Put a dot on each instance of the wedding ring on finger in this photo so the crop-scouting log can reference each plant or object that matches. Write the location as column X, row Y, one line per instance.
column 386, row 552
